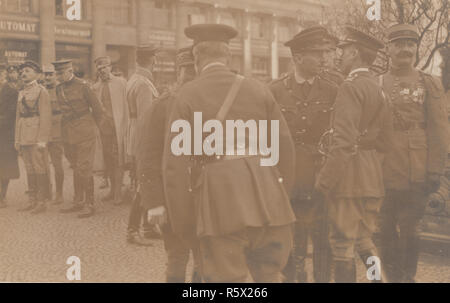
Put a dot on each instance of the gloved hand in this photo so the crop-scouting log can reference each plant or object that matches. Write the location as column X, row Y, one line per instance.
column 41, row 144
column 157, row 216
column 433, row 183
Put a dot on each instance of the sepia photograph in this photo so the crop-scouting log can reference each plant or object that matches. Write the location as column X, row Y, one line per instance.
column 224, row 141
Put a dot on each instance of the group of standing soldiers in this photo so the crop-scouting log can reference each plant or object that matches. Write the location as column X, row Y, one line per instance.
column 354, row 149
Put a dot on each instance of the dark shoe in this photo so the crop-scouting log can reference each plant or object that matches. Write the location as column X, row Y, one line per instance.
column 152, row 233
column 87, row 213
column 135, row 238
column 71, row 209
column 40, row 208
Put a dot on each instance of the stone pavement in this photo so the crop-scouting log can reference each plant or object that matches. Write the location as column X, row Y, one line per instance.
column 35, row 248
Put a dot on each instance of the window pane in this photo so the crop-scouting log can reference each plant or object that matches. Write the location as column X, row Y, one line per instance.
column 25, row 6
column 59, row 8
column 12, row 5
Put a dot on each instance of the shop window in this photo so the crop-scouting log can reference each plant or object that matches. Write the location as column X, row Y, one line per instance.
column 16, row 6
column 61, row 8
column 228, row 19
column 196, row 19
column 260, row 66
column 259, row 28
column 284, row 33
column 118, row 11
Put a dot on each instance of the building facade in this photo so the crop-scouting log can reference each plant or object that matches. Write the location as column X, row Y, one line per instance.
column 39, row 30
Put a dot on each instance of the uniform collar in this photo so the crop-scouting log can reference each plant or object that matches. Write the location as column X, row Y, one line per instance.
column 31, row 84
column 144, row 72
column 300, row 80
column 212, row 64
column 358, row 70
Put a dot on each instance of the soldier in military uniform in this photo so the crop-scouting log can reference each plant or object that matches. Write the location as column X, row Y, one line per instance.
column 55, row 146
column 140, row 94
column 238, row 209
column 351, row 178
column 306, row 97
column 111, row 91
column 412, row 170
column 9, row 166
column 33, row 131
column 149, row 159
column 81, row 112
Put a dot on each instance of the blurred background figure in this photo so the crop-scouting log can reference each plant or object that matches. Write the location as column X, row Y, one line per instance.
column 9, row 168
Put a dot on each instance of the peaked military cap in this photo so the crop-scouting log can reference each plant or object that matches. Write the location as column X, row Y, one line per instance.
column 184, row 57
column 62, row 64
column 403, row 31
column 102, row 61
column 210, row 32
column 354, row 36
column 311, row 39
column 148, row 49
column 31, row 64
column 48, row 68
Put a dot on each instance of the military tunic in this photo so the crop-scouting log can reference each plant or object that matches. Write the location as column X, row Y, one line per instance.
column 33, row 126
column 352, row 176
column 236, row 203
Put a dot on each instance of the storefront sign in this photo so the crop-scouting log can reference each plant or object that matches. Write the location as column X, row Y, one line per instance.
column 73, row 32
column 19, row 26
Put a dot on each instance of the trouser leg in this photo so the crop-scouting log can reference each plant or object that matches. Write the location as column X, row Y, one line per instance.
column 322, row 258
column 56, row 151
column 4, row 188
column 177, row 257
column 412, row 211
column 135, row 217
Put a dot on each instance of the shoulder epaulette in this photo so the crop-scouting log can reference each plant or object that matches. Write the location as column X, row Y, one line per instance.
column 332, row 77
column 283, row 78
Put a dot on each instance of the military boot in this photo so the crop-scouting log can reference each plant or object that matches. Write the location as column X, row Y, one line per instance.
column 134, row 237
column 345, row 271
column 3, row 190
column 118, row 177
column 59, row 181
column 78, row 196
column 32, row 191
column 42, row 193
column 89, row 209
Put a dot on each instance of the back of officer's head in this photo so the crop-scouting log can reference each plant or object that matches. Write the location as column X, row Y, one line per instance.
column 145, row 59
column 211, row 51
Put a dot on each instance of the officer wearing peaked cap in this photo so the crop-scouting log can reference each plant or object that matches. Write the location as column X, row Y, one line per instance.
column 242, row 215
column 351, row 178
column 81, row 112
column 306, row 97
column 413, row 168
column 33, row 130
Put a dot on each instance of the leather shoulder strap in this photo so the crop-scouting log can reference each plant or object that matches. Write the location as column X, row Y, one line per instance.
column 229, row 99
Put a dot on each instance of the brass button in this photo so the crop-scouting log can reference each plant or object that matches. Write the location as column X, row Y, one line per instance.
column 280, row 180
column 303, row 117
